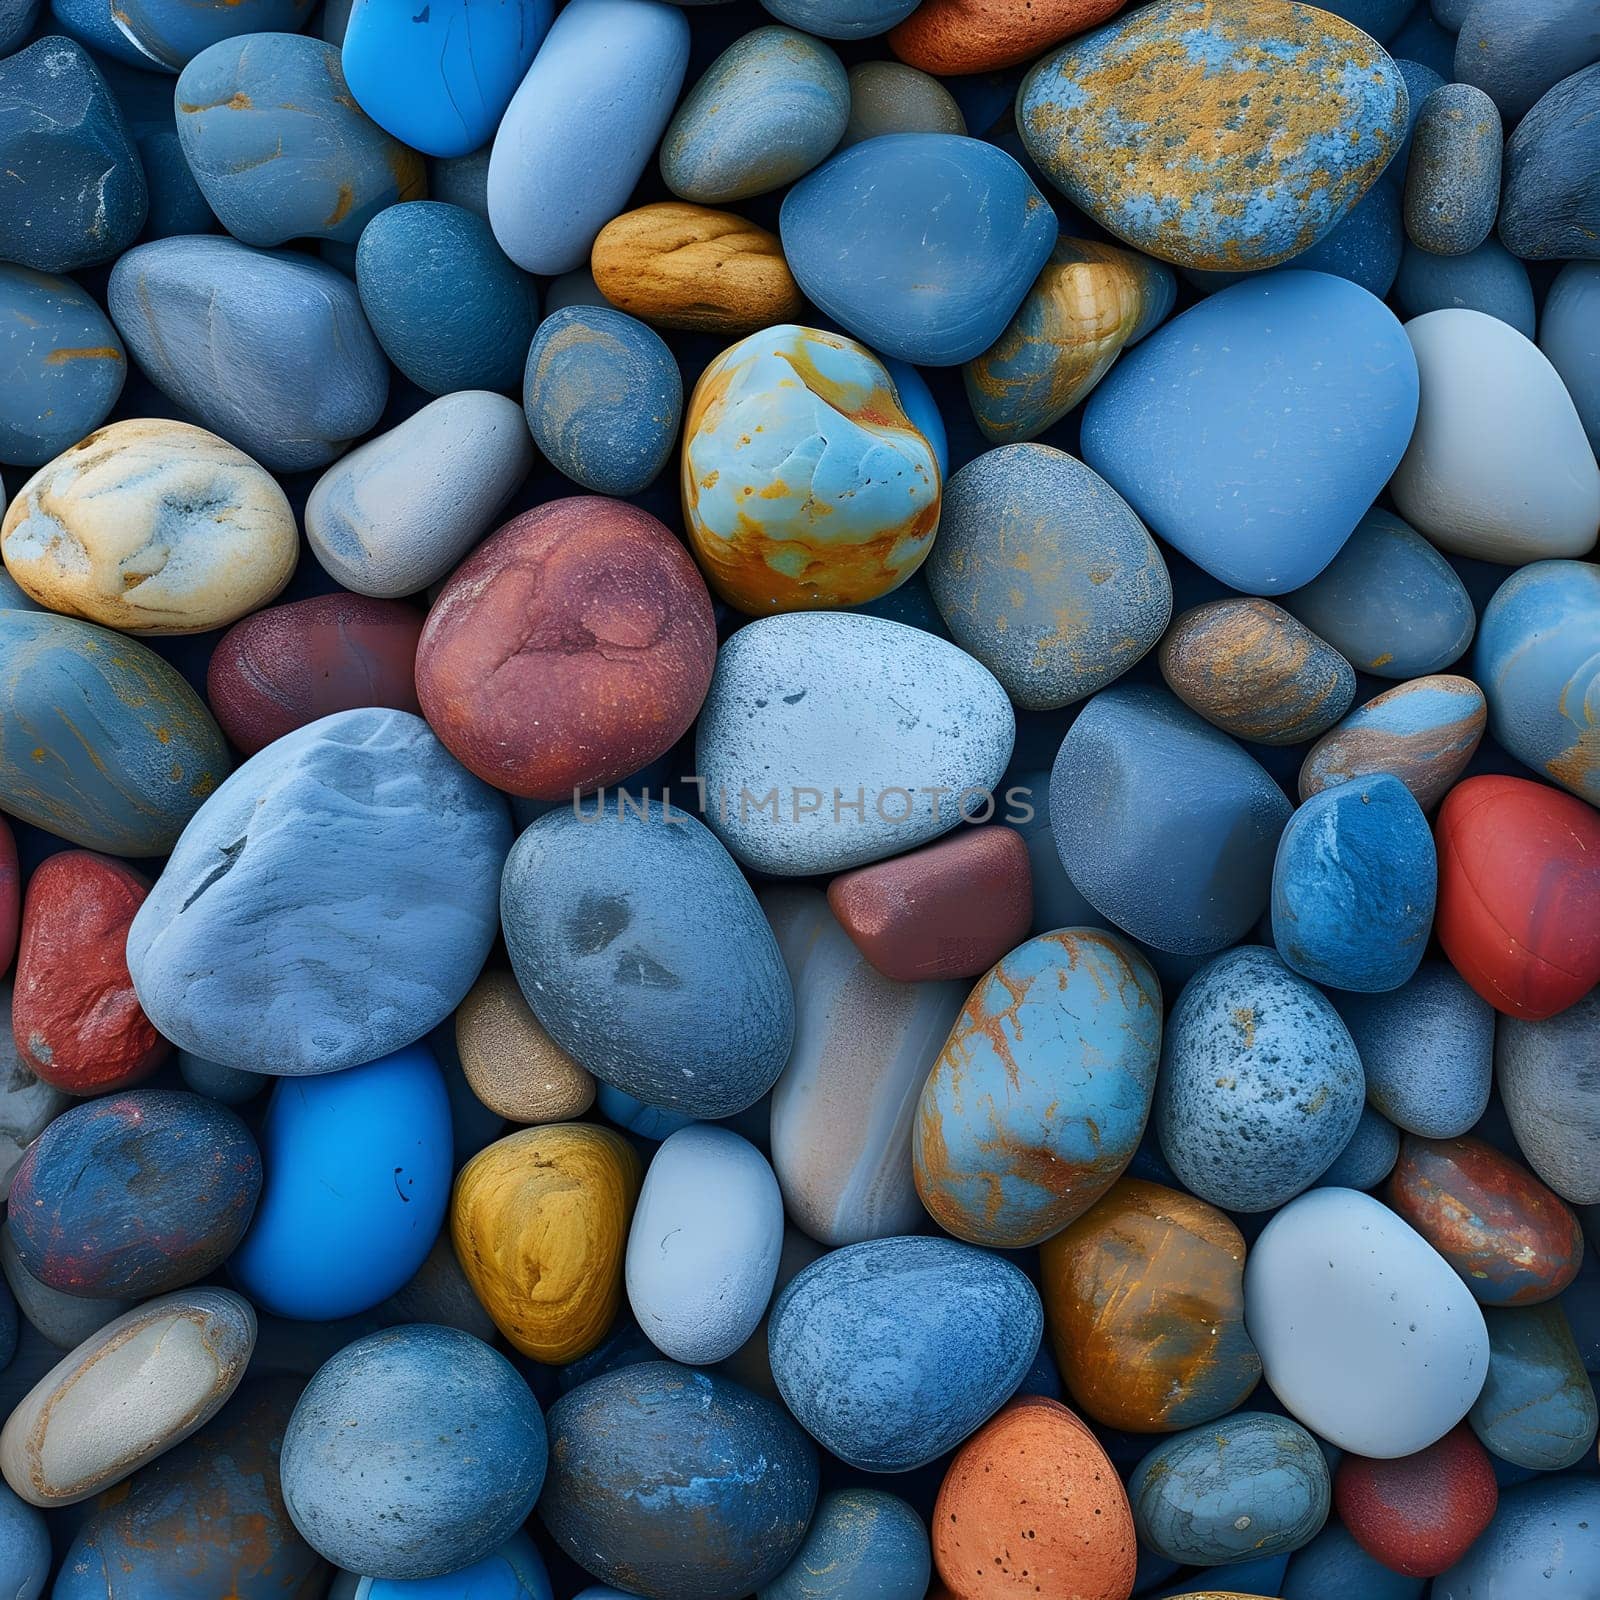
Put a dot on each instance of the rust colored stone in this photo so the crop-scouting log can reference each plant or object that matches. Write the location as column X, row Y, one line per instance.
column 948, row 37
column 570, row 650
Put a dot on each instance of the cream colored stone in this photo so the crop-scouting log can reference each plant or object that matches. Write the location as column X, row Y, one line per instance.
column 513, row 1065
column 151, row 527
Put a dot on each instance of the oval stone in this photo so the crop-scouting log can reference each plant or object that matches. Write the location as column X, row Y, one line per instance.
column 890, row 97
column 1369, row 1154
column 512, row 1065
column 1489, row 279
column 1453, row 174
column 859, row 1541
column 1548, row 1074
column 1550, row 1526
column 1550, row 205
column 1567, row 336
column 25, row 1554
column 840, row 19
column 1537, row 1408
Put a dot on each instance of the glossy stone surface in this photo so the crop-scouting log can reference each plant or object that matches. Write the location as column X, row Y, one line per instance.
column 1144, row 1301
column 1567, row 337
column 1537, row 1408
column 955, row 217
column 513, row 1066
column 164, row 35
column 1164, row 825
column 1299, row 157
column 1545, row 1533
column 891, row 1352
column 1547, row 1073
column 364, row 801
column 1551, row 202
column 1453, row 175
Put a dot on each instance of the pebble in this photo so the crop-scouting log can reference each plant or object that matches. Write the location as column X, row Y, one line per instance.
column 1260, row 1085
column 1183, row 879
column 1550, row 204
column 1568, row 339
column 355, row 840
column 515, row 1571
column 1367, row 1337
column 1111, row 1283
column 10, row 896
column 1545, row 1533
column 514, row 1067
column 398, row 512
column 1368, row 1156
column 890, row 97
column 28, row 1105
column 891, row 1352
column 805, row 483
column 25, row 1557
column 62, row 1319
column 861, row 1541
column 1334, row 1566
column 137, row 1387
column 1453, row 177
column 1489, row 279
column 1537, row 1408
column 838, row 19
column 1297, row 157
column 1264, row 494
column 1549, row 1078
column 151, row 528
column 920, row 244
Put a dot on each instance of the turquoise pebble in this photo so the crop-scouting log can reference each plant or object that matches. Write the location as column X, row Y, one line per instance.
column 1537, row 1408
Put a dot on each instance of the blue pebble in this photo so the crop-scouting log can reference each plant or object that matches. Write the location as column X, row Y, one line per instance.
column 920, row 244
column 862, row 1543
column 1420, row 82
column 1516, row 51
column 1214, row 434
column 515, row 1571
column 630, row 1113
column 75, row 191
column 306, row 377
column 1380, row 18
column 1537, row 1408
column 1453, row 177
column 165, row 35
column 462, row 181
column 63, row 361
column 226, row 1085
column 1550, row 207
column 24, row 1546
column 842, row 19
column 176, row 203
column 1421, row 39
column 916, row 399
column 1489, row 279
column 603, row 398
column 440, row 76
column 1334, row 1567
column 17, row 18
column 1368, row 1158
column 1569, row 335
column 90, row 23
column 8, row 1326
column 448, row 308
column 893, row 1351
column 1354, row 884
column 1545, row 1536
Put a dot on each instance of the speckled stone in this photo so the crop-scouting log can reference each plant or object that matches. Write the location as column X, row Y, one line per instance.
column 1260, row 1085
column 969, row 36
column 1569, row 338
column 1550, row 205
column 1548, row 1074
column 1453, row 176
column 890, row 97
column 513, row 1065
column 1545, row 1534
column 1096, row 597
column 1537, row 1408
column 891, row 1352
column 1368, row 1157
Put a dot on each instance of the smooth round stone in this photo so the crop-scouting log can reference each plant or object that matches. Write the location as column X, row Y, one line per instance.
column 64, row 363
column 64, row 1320
column 1333, row 1566
column 681, row 1484
column 151, row 527
column 226, row 1085
column 165, row 35
column 570, row 650
column 1297, row 157
column 1041, row 1094
column 1213, row 1495
column 964, row 36
column 137, row 1387
column 1112, row 1283
column 1213, row 434
column 768, row 109
column 383, row 1459
column 1421, row 1514
column 25, row 1557
column 1353, row 886
column 1090, row 302
column 1538, row 659
column 582, row 127
column 1097, row 596
column 1164, row 825
column 1423, row 732
column 603, row 398
column 703, row 1247
column 306, row 375
column 1546, row 1534
column 1489, row 279
column 920, row 244
column 514, row 1067
column 287, row 666
column 1251, row 669
column 1519, row 894
column 1515, row 54
column 1499, row 467
column 142, row 753
column 1550, row 205
column 1388, row 602
column 1036, row 1471
column 1537, row 1408
column 1381, row 1353
column 540, row 1224
column 844, row 1107
column 440, row 78
column 860, row 1542
column 400, row 511
column 1453, row 177
column 890, row 97
column 134, row 1194
column 78, row 193
column 278, row 146
column 805, row 484
column 358, row 1179
column 1568, row 338
column 515, row 1571
column 75, row 1019
column 837, row 19
column 867, row 733
column 891, row 1352
column 1368, row 1157
column 448, row 308
column 358, row 842
column 1550, row 1081
column 1260, row 1085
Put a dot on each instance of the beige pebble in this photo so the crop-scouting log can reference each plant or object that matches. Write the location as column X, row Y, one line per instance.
column 151, row 527
column 513, row 1065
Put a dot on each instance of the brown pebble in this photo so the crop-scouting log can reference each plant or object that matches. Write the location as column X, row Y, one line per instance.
column 512, row 1064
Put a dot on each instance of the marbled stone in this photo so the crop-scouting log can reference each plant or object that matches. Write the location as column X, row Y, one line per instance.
column 1569, row 338
column 1546, row 1534
column 514, row 1066
column 1537, row 1408
column 890, row 97
column 1453, row 176
column 1548, row 1074
column 1550, row 205
column 861, row 1541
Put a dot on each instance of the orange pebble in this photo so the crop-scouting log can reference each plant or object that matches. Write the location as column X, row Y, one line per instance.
column 956, row 36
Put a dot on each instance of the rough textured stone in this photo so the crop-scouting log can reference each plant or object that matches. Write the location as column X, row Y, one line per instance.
column 514, row 1066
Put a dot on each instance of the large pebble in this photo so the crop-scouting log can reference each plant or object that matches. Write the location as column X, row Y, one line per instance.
column 393, row 853
column 1515, row 53
column 1537, row 1408
column 1453, row 175
column 1366, row 1335
column 25, row 1555
column 161, row 36
column 1546, row 1534
column 1569, row 335
column 1548, row 1073
column 1550, row 206
column 861, row 1541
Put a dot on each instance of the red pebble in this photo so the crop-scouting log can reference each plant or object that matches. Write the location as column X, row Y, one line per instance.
column 10, row 895
column 75, row 1017
column 569, row 650
column 289, row 665
column 1519, row 893
column 949, row 910
column 1420, row 1514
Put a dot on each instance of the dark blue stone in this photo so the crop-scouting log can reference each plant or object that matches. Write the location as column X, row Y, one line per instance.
column 1489, row 279
column 1550, row 206
column 1334, row 1567
column 165, row 35
column 1515, row 50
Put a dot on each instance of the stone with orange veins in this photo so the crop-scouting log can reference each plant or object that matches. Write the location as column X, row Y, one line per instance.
column 676, row 265
column 948, row 37
column 1226, row 135
column 805, row 484
column 1041, row 1094
column 1144, row 1303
